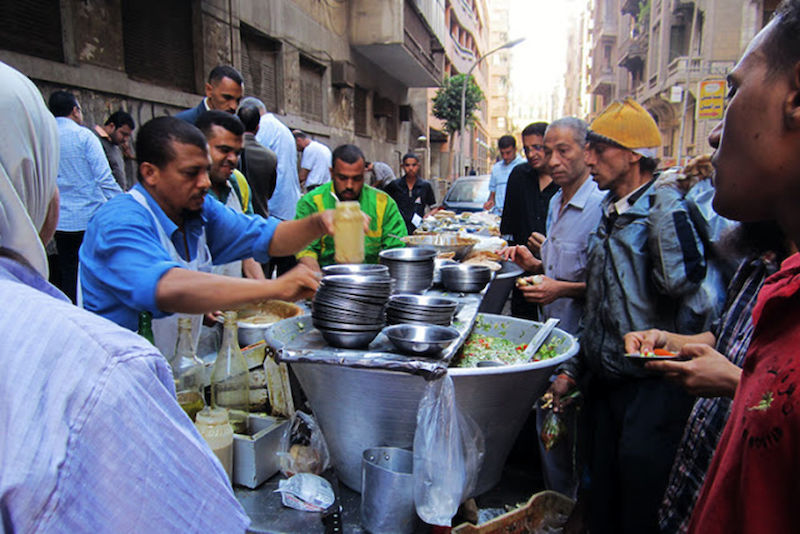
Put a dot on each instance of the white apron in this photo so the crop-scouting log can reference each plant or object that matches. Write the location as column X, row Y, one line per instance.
column 165, row 330
column 233, row 268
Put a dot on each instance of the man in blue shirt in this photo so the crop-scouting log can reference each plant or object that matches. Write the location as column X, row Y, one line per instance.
column 143, row 250
column 85, row 182
column 500, row 172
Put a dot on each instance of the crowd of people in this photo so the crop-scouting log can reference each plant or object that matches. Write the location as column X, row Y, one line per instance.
column 630, row 259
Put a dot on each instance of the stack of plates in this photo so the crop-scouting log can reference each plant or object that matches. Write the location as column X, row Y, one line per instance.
column 465, row 278
column 411, row 268
column 348, row 308
column 356, row 268
column 417, row 309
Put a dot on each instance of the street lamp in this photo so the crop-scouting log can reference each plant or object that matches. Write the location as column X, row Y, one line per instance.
column 509, row 44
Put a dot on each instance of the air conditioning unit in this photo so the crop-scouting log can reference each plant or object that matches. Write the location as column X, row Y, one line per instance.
column 382, row 107
column 343, row 74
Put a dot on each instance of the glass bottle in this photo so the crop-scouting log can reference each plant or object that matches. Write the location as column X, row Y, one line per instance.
column 187, row 370
column 348, row 233
column 146, row 326
column 230, row 378
column 212, row 423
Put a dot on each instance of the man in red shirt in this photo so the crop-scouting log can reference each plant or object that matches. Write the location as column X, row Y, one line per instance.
column 753, row 484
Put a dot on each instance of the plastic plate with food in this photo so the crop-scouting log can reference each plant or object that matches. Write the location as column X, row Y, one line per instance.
column 653, row 355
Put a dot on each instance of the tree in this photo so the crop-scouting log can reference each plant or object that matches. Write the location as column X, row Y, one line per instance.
column 447, row 107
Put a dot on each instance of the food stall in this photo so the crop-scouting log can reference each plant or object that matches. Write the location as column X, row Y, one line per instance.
column 368, row 396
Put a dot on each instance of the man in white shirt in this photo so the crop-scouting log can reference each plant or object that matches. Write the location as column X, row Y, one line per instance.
column 315, row 165
column 501, row 170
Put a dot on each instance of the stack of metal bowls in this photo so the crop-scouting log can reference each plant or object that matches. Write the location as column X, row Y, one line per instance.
column 420, row 309
column 348, row 308
column 465, row 278
column 356, row 268
column 411, row 268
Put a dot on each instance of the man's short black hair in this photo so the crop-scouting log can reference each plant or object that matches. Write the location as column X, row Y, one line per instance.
column 154, row 142
column 535, row 128
column 121, row 118
column 506, row 141
column 783, row 46
column 250, row 117
column 410, row 155
column 62, row 103
column 224, row 71
column 215, row 117
column 347, row 154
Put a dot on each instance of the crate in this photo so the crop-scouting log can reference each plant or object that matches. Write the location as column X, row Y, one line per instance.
column 254, row 456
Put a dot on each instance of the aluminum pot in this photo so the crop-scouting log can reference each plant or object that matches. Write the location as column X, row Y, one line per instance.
column 252, row 331
column 358, row 409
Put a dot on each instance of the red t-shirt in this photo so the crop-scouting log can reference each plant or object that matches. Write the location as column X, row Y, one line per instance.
column 753, row 484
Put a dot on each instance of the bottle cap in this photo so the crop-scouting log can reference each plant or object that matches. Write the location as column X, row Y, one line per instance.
column 212, row 416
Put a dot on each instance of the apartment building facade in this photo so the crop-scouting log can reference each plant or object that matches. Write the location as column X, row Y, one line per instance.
column 343, row 71
column 660, row 51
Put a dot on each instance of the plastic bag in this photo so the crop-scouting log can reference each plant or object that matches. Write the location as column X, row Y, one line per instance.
column 306, row 492
column 303, row 448
column 448, row 453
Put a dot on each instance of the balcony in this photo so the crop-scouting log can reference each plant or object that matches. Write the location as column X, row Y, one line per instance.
column 395, row 36
column 602, row 81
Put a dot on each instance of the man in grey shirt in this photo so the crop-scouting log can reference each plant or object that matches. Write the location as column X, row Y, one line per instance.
column 114, row 136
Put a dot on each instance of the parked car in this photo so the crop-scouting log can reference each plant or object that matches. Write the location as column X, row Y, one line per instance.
column 468, row 193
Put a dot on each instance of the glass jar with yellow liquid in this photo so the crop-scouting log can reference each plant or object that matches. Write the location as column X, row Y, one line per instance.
column 188, row 370
column 348, row 236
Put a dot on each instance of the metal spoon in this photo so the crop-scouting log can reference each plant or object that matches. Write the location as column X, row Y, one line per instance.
column 539, row 338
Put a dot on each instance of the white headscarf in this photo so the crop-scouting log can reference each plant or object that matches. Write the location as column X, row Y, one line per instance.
column 28, row 166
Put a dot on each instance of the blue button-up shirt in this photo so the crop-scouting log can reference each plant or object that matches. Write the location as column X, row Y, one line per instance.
column 122, row 258
column 499, row 179
column 85, row 181
column 565, row 250
column 95, row 440
column 274, row 135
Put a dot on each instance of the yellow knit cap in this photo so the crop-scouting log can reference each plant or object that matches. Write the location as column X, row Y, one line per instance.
column 628, row 124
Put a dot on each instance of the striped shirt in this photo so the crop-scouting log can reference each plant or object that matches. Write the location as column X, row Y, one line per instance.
column 709, row 415
column 94, row 439
column 85, row 181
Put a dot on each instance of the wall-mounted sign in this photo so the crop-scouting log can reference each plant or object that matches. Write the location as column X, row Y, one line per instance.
column 675, row 94
column 711, row 101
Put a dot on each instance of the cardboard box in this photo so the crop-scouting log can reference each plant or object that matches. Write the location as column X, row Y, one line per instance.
column 254, row 458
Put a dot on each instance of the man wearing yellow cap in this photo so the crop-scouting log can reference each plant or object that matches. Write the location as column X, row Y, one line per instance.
column 644, row 257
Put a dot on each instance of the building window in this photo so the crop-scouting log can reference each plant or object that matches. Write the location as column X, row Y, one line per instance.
column 360, row 110
column 311, row 88
column 157, row 38
column 260, row 66
column 32, row 27
column 391, row 124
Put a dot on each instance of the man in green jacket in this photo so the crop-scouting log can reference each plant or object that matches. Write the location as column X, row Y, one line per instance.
column 386, row 225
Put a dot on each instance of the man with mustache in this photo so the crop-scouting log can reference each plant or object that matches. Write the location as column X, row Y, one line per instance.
column 224, row 133
column 386, row 225
column 153, row 248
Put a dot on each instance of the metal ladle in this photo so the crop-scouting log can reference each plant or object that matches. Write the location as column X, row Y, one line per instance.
column 539, row 338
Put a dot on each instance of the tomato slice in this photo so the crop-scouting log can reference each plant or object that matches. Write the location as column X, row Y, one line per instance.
column 662, row 352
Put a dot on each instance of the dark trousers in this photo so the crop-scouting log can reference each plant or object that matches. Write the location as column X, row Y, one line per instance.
column 636, row 428
column 68, row 244
column 522, row 308
column 282, row 265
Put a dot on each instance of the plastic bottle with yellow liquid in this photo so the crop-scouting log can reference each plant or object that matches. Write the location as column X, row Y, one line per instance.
column 348, row 236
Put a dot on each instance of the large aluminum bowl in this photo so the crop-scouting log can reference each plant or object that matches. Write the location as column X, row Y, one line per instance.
column 254, row 322
column 443, row 243
column 420, row 339
column 362, row 408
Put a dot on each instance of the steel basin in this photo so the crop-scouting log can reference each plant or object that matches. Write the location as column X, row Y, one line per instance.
column 358, row 409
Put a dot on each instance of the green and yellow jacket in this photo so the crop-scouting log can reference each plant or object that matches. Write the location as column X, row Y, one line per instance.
column 384, row 216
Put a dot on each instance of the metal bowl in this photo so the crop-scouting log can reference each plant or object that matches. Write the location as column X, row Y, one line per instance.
column 253, row 322
column 466, row 278
column 348, row 340
column 443, row 243
column 420, row 340
column 407, row 254
column 356, row 268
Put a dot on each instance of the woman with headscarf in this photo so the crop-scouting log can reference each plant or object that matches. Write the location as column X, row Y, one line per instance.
column 94, row 440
